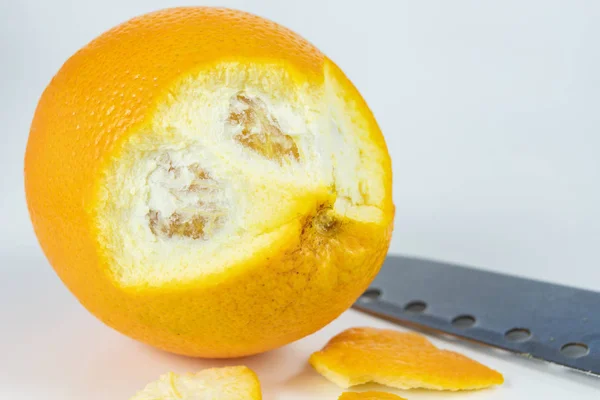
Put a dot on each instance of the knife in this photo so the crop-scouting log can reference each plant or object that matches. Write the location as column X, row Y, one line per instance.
column 536, row 319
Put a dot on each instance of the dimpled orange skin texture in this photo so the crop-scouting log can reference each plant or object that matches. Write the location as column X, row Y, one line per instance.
column 369, row 396
column 398, row 359
column 109, row 90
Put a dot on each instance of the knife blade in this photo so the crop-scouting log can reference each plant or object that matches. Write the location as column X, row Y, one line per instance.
column 547, row 321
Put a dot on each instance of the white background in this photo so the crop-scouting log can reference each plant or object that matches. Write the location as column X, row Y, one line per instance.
column 491, row 111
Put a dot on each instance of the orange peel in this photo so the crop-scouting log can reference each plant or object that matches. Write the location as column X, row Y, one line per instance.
column 369, row 396
column 228, row 383
column 401, row 360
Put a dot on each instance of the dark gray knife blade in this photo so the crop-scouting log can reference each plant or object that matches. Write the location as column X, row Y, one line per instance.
column 552, row 322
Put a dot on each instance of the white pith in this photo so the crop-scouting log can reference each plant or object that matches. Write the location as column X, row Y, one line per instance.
column 249, row 201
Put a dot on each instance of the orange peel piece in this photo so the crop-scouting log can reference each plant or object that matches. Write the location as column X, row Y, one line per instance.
column 397, row 359
column 369, row 396
column 228, row 383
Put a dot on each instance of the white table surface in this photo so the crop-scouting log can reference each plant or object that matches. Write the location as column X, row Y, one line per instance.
column 490, row 112
column 52, row 349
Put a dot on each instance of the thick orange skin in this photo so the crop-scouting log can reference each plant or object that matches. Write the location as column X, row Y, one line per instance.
column 110, row 89
column 369, row 396
column 404, row 360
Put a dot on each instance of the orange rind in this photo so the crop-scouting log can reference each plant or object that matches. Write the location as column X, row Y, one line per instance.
column 397, row 359
column 369, row 396
column 229, row 383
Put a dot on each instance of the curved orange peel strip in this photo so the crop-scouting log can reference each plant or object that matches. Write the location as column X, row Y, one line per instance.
column 369, row 396
column 229, row 383
column 401, row 360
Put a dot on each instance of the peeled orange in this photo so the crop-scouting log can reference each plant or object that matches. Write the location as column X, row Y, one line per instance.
column 208, row 182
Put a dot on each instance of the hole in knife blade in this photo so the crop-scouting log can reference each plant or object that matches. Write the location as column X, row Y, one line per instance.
column 575, row 350
column 464, row 321
column 370, row 294
column 518, row 335
column 416, row 306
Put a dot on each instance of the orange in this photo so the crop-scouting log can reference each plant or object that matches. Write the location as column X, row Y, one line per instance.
column 401, row 360
column 208, row 182
column 228, row 383
column 369, row 396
